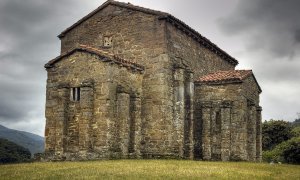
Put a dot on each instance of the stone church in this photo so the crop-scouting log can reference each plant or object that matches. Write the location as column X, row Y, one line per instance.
column 132, row 82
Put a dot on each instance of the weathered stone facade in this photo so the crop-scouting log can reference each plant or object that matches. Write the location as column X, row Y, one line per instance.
column 137, row 83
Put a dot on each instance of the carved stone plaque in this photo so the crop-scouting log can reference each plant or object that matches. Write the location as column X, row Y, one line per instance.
column 107, row 41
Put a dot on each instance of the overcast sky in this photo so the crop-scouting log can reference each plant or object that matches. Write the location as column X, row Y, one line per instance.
column 264, row 35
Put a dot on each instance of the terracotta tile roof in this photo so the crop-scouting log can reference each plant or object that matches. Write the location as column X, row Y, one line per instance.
column 162, row 16
column 226, row 77
column 221, row 76
column 106, row 57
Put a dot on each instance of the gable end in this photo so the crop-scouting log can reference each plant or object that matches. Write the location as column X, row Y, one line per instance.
column 161, row 16
column 106, row 57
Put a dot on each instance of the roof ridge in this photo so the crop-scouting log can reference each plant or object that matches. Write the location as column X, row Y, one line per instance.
column 135, row 7
column 122, row 4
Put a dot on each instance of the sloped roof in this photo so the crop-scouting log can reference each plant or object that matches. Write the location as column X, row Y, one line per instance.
column 225, row 77
column 116, row 3
column 162, row 16
column 106, row 57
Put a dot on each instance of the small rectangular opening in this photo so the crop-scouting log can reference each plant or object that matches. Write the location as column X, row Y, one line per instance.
column 75, row 94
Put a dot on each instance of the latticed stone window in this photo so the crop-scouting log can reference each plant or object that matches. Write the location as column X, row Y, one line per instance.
column 75, row 94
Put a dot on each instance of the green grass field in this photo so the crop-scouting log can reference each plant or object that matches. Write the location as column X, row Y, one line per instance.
column 149, row 169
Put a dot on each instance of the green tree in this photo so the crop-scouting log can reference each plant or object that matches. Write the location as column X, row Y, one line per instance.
column 274, row 132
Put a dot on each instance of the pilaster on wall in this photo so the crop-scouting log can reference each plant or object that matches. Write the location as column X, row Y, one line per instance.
column 258, row 135
column 60, row 118
column 50, row 130
column 225, row 130
column 123, row 106
column 129, row 124
column 197, row 129
column 102, row 126
column 135, row 128
column 239, row 130
column 251, row 127
column 189, row 115
column 206, row 130
column 87, row 114
column 179, row 116
column 215, row 131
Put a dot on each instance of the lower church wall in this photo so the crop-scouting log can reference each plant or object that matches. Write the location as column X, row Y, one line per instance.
column 226, row 124
column 114, row 118
column 89, row 128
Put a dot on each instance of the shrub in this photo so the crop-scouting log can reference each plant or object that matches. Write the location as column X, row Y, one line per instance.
column 296, row 131
column 291, row 154
column 287, row 151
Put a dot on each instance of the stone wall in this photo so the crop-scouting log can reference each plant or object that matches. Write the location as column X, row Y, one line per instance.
column 184, row 51
column 188, row 59
column 228, row 121
column 138, row 37
column 99, row 125
column 135, row 35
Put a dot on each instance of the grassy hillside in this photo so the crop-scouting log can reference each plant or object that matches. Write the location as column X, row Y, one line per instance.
column 149, row 169
column 11, row 152
column 28, row 140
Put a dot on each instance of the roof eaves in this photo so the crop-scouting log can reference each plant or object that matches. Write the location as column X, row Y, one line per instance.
column 219, row 82
column 105, row 58
column 230, row 80
column 259, row 88
column 62, row 34
column 198, row 37
column 50, row 63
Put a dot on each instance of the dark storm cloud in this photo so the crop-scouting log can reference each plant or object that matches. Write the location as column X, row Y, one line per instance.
column 271, row 25
column 28, row 30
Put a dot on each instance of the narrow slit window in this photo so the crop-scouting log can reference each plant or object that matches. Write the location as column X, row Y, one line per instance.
column 78, row 94
column 218, row 121
column 75, row 94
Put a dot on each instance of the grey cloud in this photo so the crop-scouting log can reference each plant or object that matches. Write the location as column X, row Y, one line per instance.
column 18, row 97
column 270, row 25
column 270, row 31
column 28, row 30
column 297, row 36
